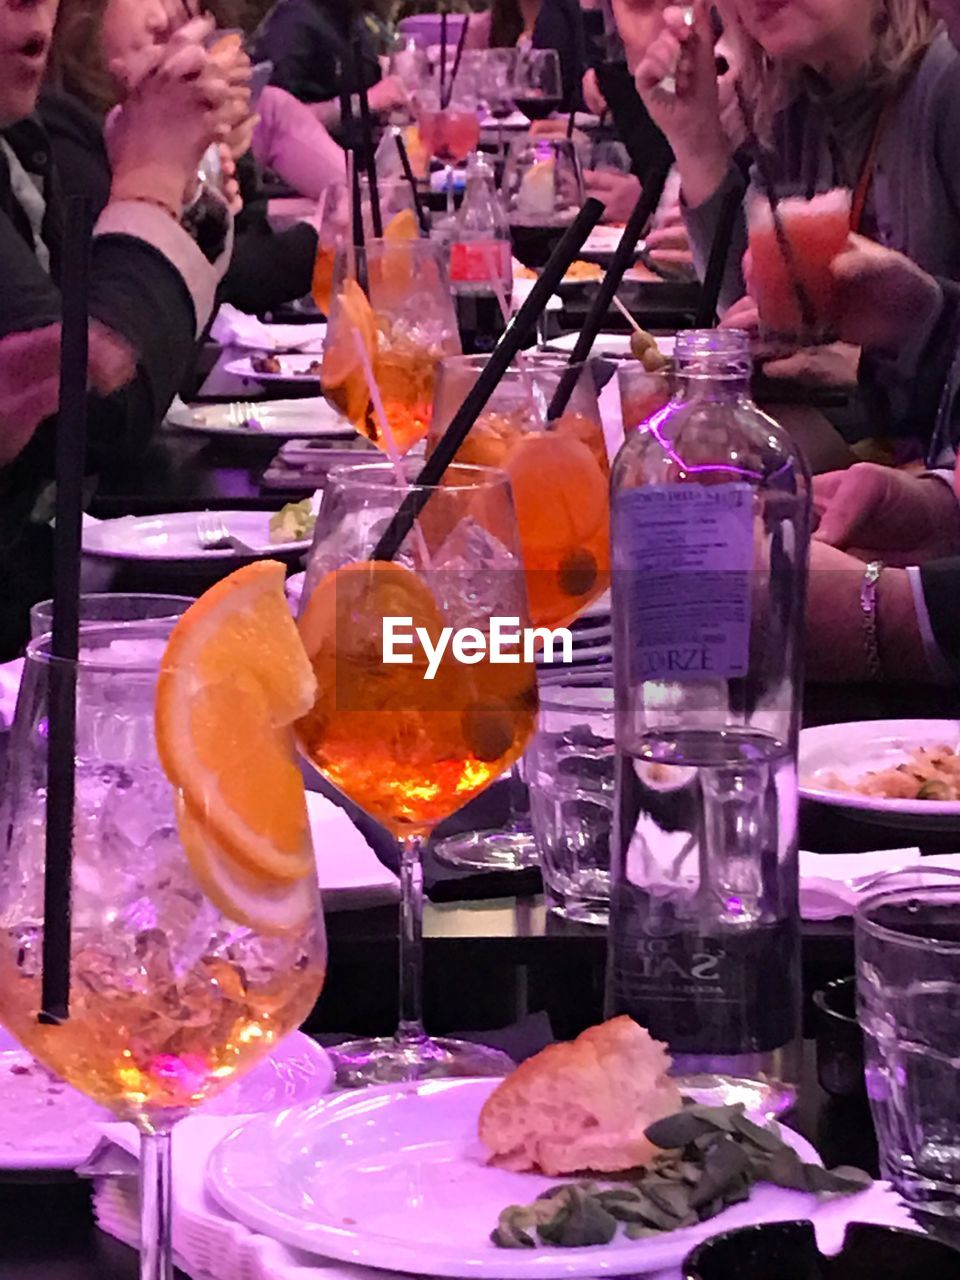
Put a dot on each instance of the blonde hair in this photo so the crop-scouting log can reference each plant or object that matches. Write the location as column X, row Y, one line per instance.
column 904, row 30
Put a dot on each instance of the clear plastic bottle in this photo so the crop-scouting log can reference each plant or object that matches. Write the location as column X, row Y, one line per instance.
column 481, row 272
column 711, row 521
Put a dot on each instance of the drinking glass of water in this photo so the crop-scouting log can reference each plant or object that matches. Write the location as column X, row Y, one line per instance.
column 908, row 998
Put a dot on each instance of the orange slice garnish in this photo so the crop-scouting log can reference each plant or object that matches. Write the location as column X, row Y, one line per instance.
column 402, row 226
column 346, row 610
column 342, row 368
column 258, row 901
column 567, row 470
column 233, row 680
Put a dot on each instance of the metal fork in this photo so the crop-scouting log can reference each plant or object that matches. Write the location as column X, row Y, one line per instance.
column 240, row 414
column 213, row 535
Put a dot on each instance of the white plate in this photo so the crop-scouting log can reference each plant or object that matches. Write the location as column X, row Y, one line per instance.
column 293, row 368
column 283, row 337
column 608, row 344
column 174, row 537
column 281, row 419
column 395, row 1178
column 851, row 750
column 46, row 1124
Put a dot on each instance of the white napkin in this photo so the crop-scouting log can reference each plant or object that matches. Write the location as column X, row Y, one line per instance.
column 830, row 883
column 350, row 873
column 10, row 675
column 212, row 1246
column 233, row 328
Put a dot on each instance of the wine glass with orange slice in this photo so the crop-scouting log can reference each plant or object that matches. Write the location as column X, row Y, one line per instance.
column 393, row 299
column 556, row 462
column 197, row 936
column 408, row 743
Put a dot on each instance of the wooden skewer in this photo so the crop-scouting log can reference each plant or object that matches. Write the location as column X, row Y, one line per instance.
column 626, row 314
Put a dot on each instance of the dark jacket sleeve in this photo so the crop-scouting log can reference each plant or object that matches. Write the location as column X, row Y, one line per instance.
column 941, row 592
column 304, row 51
column 560, row 26
column 269, row 269
column 916, row 392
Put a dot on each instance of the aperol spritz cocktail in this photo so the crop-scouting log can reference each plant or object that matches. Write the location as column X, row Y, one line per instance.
column 408, row 742
column 393, row 298
column 557, row 467
column 197, row 939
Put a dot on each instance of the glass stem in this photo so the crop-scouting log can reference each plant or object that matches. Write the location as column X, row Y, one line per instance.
column 156, row 1207
column 411, row 1029
column 450, row 191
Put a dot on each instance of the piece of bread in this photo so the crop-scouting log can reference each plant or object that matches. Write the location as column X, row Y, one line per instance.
column 582, row 1105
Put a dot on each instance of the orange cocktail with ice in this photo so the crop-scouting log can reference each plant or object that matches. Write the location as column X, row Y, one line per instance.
column 783, row 276
column 394, row 299
column 411, row 741
column 197, row 940
column 557, row 468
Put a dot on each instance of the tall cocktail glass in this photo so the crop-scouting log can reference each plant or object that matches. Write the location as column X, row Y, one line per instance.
column 407, row 745
column 172, row 996
column 394, row 297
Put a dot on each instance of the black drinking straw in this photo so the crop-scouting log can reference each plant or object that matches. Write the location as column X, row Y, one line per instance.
column 623, row 258
column 808, row 313
column 69, row 453
column 443, row 58
column 366, row 131
column 511, row 340
column 461, row 41
column 571, row 122
column 421, row 213
column 706, row 313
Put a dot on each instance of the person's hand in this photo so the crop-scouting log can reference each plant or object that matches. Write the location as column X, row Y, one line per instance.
column 690, row 117
column 229, row 186
column 882, row 296
column 834, row 365
column 742, row 315
column 137, row 64
column 157, row 138
column 592, row 97
column 387, row 95
column 30, row 378
column 618, row 191
column 240, row 138
column 668, row 241
column 879, row 513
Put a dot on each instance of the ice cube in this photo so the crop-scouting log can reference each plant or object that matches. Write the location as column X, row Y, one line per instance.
column 475, row 577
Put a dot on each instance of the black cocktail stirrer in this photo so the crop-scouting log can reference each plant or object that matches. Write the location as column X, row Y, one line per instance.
column 458, row 54
column 502, row 356
column 69, row 456
column 421, row 213
column 808, row 313
column 443, row 57
column 623, row 258
column 366, row 133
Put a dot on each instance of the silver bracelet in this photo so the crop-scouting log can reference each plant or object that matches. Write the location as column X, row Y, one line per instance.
column 868, row 608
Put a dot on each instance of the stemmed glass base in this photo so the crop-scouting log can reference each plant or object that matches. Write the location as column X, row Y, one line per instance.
column 397, row 1059
column 510, row 850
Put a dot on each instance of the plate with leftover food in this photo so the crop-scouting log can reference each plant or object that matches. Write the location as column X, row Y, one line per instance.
column 585, row 1161
column 277, row 419
column 177, row 535
column 900, row 773
column 267, row 367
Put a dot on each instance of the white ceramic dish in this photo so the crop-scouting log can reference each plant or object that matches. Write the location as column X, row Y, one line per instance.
column 174, row 537
column 280, row 419
column 851, row 750
column 394, row 1178
column 283, row 337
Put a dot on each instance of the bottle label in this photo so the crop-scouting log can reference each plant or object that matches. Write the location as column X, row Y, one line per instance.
column 479, row 261
column 687, row 553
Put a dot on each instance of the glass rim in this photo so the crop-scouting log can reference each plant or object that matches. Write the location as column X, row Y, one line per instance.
column 595, row 697
column 97, row 596
column 38, row 649
column 892, row 896
column 478, row 478
column 535, row 360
